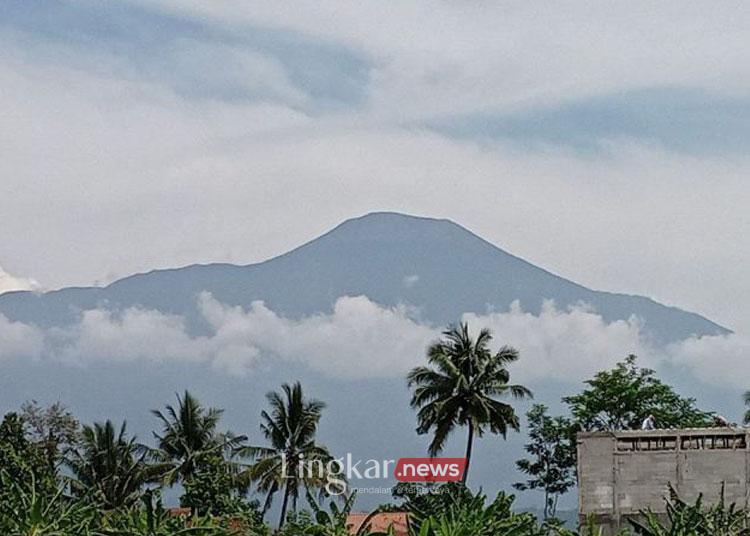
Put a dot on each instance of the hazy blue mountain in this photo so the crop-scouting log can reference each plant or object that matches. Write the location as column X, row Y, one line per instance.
column 436, row 265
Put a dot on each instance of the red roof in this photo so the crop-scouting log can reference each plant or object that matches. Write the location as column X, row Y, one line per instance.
column 380, row 522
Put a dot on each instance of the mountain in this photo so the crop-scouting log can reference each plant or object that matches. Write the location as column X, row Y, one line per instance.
column 435, row 265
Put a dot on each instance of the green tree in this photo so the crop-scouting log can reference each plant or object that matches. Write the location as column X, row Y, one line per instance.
column 190, row 438
column 553, row 458
column 53, row 428
column 290, row 428
column 211, row 489
column 619, row 399
column 109, row 468
column 216, row 489
column 461, row 386
column 23, row 461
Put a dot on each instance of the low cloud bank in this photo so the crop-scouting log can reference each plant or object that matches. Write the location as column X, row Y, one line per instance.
column 358, row 339
column 131, row 335
column 9, row 282
column 564, row 344
column 19, row 340
column 362, row 339
column 720, row 360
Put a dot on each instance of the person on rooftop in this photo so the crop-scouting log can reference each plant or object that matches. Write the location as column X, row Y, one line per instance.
column 649, row 423
column 720, row 421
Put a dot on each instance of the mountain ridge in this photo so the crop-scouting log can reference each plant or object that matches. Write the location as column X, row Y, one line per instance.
column 451, row 271
column 435, row 265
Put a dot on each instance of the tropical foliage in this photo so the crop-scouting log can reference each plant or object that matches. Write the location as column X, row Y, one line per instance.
column 461, row 388
column 58, row 478
column 23, row 461
column 621, row 398
column 108, row 467
column 290, row 429
column 453, row 510
column 330, row 522
column 694, row 519
column 54, row 429
column 29, row 509
column 190, row 438
column 552, row 448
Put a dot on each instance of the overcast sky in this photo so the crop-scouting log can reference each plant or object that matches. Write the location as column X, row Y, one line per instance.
column 607, row 142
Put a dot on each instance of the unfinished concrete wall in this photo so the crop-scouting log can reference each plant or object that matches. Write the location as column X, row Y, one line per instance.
column 623, row 473
column 596, row 491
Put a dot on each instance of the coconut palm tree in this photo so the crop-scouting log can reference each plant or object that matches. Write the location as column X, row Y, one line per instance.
column 190, row 437
column 109, row 465
column 459, row 389
column 290, row 428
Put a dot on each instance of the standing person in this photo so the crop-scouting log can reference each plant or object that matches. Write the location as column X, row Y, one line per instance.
column 649, row 423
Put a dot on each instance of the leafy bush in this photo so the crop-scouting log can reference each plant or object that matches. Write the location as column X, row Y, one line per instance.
column 27, row 509
column 23, row 461
column 453, row 510
column 684, row 519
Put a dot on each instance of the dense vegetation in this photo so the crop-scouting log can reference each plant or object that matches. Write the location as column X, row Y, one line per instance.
column 61, row 478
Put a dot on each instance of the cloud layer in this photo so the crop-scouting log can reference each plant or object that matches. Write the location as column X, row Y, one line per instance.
column 164, row 125
column 361, row 339
column 18, row 340
column 434, row 58
column 9, row 282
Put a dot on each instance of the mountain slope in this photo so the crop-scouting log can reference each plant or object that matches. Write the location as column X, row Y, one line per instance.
column 435, row 265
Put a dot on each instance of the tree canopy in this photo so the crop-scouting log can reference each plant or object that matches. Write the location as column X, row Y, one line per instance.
column 461, row 387
column 552, row 447
column 621, row 398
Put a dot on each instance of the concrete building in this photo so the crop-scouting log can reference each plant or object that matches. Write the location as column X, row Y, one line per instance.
column 622, row 473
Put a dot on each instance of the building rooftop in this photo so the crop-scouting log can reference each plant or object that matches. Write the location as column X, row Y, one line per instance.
column 380, row 522
column 729, row 430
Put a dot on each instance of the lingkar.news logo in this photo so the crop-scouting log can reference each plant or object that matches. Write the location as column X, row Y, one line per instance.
column 337, row 472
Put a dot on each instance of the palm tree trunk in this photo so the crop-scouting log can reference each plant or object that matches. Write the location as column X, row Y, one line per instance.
column 267, row 503
column 553, row 513
column 469, row 444
column 284, row 505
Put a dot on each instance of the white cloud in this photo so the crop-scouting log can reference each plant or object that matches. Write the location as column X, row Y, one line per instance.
column 132, row 335
column 432, row 58
column 361, row 339
column 154, row 177
column 565, row 345
column 719, row 360
column 19, row 340
column 9, row 282
column 410, row 280
column 358, row 339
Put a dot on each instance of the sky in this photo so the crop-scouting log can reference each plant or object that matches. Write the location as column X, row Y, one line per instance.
column 604, row 141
